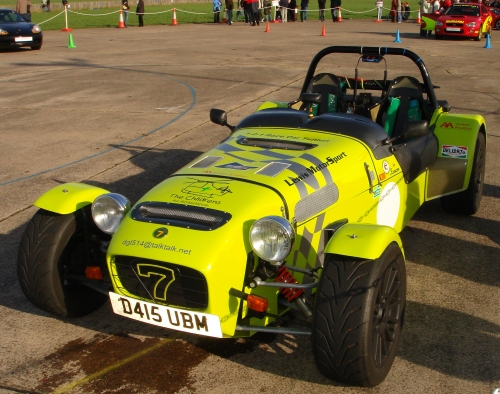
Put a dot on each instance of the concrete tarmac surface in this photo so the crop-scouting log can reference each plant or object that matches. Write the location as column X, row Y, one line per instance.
column 127, row 107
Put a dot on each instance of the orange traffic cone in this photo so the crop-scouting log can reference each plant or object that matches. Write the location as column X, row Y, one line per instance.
column 174, row 18
column 120, row 23
column 267, row 28
column 323, row 31
column 339, row 19
column 224, row 17
column 419, row 20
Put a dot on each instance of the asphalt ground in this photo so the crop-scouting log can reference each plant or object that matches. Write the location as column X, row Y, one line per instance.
column 127, row 107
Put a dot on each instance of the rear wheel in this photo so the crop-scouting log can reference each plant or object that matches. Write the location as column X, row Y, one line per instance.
column 53, row 252
column 468, row 201
column 36, row 47
column 358, row 317
column 497, row 24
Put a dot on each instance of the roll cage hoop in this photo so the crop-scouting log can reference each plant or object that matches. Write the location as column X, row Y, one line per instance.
column 428, row 88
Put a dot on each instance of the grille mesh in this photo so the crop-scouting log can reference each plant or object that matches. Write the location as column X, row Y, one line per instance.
column 316, row 202
column 188, row 287
column 180, row 215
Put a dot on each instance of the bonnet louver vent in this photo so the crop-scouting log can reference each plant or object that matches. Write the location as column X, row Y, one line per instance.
column 180, row 215
column 275, row 144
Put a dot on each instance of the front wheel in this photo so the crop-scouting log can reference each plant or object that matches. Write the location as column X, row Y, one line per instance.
column 479, row 36
column 497, row 24
column 358, row 317
column 53, row 253
column 468, row 201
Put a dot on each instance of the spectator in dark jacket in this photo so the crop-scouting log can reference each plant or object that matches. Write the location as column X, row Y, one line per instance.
column 291, row 10
column 321, row 6
column 335, row 5
column 140, row 12
column 229, row 8
column 303, row 10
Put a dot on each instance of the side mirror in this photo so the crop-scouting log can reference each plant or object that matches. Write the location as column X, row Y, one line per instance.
column 311, row 98
column 414, row 129
column 444, row 105
column 219, row 116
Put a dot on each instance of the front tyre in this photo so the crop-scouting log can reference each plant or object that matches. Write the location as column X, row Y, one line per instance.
column 52, row 253
column 358, row 317
column 468, row 201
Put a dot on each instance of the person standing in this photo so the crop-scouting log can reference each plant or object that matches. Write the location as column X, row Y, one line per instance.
column 321, row 6
column 400, row 9
column 303, row 10
column 254, row 12
column 267, row 10
column 335, row 5
column 217, row 4
column 292, row 5
column 140, row 12
column 126, row 9
column 394, row 10
column 229, row 8
column 380, row 6
column 284, row 10
column 23, row 8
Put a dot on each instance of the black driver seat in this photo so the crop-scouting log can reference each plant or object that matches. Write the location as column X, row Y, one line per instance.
column 328, row 85
column 393, row 114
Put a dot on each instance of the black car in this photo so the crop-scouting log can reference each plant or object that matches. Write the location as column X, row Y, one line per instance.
column 15, row 31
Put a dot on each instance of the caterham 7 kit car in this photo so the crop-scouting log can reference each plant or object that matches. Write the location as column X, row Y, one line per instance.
column 299, row 208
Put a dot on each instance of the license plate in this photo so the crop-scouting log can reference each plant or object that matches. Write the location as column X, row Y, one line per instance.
column 164, row 316
column 23, row 39
column 453, row 29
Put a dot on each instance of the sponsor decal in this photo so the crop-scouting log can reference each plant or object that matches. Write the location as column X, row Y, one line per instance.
column 160, row 232
column 386, row 167
column 459, row 152
column 382, row 176
column 202, row 192
column 376, row 191
column 455, row 21
column 289, row 137
column 447, row 125
column 236, row 166
column 313, row 169
column 153, row 245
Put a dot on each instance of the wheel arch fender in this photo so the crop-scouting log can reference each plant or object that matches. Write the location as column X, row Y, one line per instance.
column 365, row 241
column 68, row 197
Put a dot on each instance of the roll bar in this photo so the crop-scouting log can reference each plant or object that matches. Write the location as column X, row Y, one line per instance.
column 429, row 88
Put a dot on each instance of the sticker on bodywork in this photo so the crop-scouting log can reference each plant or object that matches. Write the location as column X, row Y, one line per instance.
column 457, row 152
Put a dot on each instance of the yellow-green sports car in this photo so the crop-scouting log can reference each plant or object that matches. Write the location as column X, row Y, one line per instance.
column 300, row 207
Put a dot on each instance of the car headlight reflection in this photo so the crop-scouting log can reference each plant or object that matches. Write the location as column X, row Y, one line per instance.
column 3, row 32
column 272, row 238
column 36, row 29
column 108, row 210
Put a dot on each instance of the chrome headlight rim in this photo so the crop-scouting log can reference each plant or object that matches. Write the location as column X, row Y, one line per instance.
column 36, row 29
column 287, row 231
column 108, row 210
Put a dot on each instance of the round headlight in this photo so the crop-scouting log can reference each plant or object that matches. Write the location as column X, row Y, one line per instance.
column 36, row 29
column 271, row 238
column 108, row 210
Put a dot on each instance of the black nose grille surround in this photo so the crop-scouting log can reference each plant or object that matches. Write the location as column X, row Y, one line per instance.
column 180, row 215
column 161, row 282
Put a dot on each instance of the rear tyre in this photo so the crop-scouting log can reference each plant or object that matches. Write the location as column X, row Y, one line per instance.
column 358, row 317
column 53, row 251
column 468, row 201
column 36, row 47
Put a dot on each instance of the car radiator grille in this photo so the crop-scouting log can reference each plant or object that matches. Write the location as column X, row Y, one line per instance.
column 161, row 282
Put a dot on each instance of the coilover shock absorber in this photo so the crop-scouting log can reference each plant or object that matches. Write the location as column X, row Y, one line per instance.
column 285, row 276
column 293, row 295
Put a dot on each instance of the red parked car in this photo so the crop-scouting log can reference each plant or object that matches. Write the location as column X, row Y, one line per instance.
column 470, row 20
